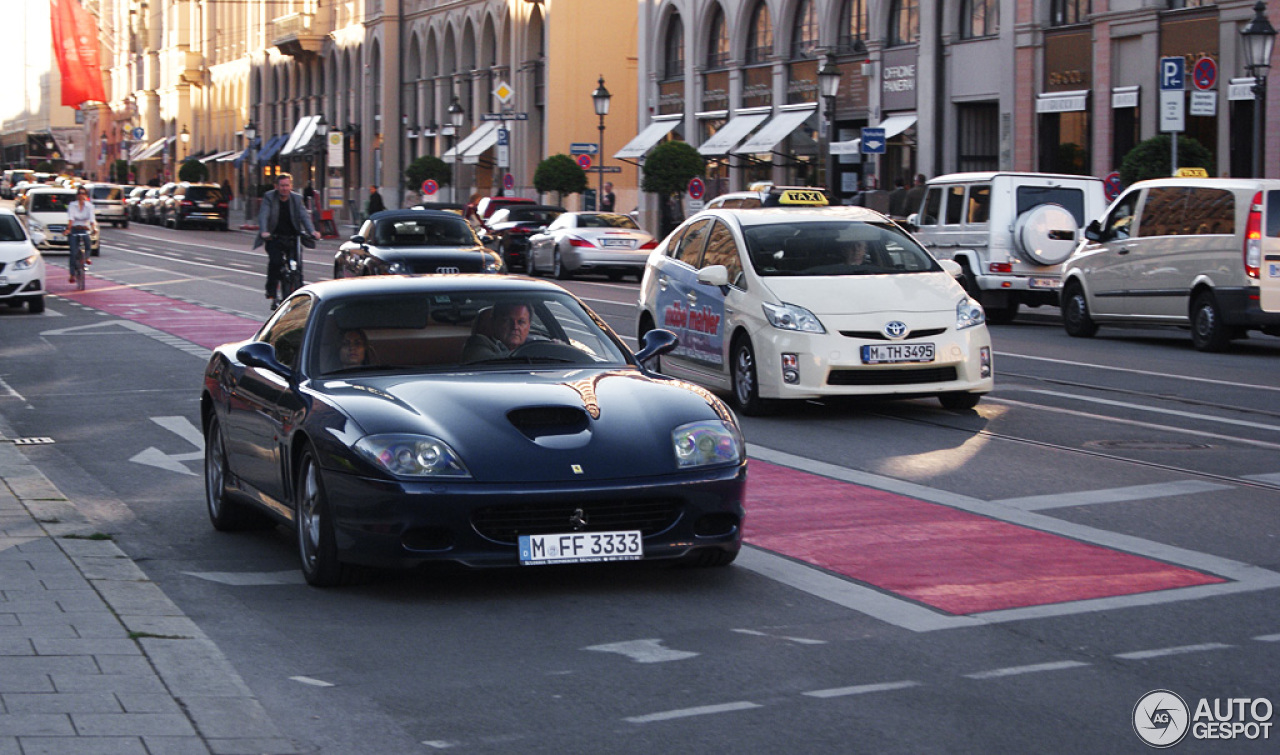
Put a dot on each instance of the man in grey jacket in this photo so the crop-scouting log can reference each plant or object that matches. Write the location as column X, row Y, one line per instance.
column 280, row 230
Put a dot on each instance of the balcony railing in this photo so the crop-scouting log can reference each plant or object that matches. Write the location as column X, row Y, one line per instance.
column 296, row 34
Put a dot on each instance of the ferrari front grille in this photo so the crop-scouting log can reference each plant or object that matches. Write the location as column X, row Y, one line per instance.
column 506, row 523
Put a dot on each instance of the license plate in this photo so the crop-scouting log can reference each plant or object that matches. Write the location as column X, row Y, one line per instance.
column 581, row 547
column 1043, row 283
column 897, row 352
column 206, row 205
column 617, row 243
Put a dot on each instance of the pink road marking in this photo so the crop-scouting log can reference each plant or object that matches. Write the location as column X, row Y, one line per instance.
column 200, row 325
column 952, row 560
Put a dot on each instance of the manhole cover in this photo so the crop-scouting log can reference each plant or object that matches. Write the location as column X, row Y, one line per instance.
column 32, row 441
column 1146, row 445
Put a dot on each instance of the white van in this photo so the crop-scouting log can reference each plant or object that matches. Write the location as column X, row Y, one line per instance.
column 1010, row 232
column 1203, row 253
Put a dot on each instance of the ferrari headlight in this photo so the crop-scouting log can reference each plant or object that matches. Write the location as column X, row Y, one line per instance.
column 412, row 455
column 791, row 317
column 397, row 268
column 706, row 443
column 969, row 313
column 28, row 263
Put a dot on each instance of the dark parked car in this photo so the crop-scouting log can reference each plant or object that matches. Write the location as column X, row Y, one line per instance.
column 133, row 202
column 153, row 204
column 510, row 228
column 195, row 204
column 489, row 205
column 352, row 417
column 395, row 242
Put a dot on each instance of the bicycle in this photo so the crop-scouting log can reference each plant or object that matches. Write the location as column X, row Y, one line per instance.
column 78, row 242
column 290, row 273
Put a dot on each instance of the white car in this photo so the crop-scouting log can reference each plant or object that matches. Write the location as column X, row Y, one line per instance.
column 590, row 242
column 21, row 266
column 46, row 211
column 803, row 303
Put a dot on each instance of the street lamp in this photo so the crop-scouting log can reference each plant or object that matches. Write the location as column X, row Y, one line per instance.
column 600, row 98
column 250, row 133
column 829, row 87
column 186, row 141
column 456, row 116
column 1259, row 39
column 102, row 155
column 322, row 131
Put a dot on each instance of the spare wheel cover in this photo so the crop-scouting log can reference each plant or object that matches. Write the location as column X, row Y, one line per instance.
column 1045, row 234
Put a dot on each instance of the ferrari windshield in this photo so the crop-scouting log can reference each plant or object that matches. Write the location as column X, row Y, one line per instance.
column 833, row 247
column 460, row 330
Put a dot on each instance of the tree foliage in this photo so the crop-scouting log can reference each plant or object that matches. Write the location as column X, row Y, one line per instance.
column 427, row 166
column 193, row 171
column 120, row 171
column 561, row 174
column 669, row 167
column 1152, row 158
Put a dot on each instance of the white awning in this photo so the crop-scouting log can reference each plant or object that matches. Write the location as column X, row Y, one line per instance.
column 777, row 129
column 470, row 139
column 1063, row 102
column 730, row 134
column 645, row 140
column 471, row 155
column 301, row 136
column 893, row 125
column 227, row 157
column 154, row 148
column 217, row 156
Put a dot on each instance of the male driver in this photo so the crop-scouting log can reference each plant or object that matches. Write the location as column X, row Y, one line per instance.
column 282, row 218
column 507, row 330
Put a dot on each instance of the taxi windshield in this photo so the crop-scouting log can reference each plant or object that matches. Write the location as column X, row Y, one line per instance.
column 836, row 247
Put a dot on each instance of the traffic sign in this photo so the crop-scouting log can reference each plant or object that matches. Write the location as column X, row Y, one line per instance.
column 873, row 141
column 1204, row 74
column 430, row 187
column 504, row 116
column 138, row 133
column 508, row 182
column 1112, row 185
column 1204, row 104
column 1173, row 103
column 504, row 92
column 584, row 161
column 696, row 188
column 504, row 148
column 584, row 148
column 1173, row 74
column 607, row 169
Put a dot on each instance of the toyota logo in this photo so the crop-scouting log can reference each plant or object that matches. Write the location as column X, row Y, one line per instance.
column 895, row 329
column 447, row 270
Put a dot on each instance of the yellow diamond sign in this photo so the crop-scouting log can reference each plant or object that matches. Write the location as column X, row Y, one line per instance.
column 504, row 92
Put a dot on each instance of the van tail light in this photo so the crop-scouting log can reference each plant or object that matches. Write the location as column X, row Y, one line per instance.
column 575, row 241
column 650, row 244
column 1253, row 239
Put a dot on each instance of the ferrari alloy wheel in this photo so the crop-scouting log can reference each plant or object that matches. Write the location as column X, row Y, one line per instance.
column 225, row 514
column 312, row 518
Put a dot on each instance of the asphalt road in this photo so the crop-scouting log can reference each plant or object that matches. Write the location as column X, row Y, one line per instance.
column 1010, row 579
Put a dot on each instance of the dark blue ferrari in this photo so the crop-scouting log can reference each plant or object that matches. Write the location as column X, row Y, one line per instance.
column 483, row 420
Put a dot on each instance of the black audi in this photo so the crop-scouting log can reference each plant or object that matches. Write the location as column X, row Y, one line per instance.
column 396, row 242
column 483, row 420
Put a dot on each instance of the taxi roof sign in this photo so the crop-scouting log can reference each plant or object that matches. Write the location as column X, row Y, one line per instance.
column 1192, row 173
column 807, row 197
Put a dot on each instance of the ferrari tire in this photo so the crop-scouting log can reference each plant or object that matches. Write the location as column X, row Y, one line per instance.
column 313, row 525
column 225, row 514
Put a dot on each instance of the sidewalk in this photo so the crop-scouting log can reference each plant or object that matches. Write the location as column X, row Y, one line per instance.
column 93, row 657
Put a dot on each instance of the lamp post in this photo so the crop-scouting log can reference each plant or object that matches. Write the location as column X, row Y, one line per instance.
column 186, row 142
column 456, row 116
column 105, row 175
column 600, row 98
column 1259, row 39
column 250, row 133
column 322, row 131
column 829, row 87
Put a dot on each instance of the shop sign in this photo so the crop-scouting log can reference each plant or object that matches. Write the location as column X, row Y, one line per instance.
column 898, row 79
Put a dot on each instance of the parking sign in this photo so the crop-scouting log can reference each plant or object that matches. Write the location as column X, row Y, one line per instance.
column 1173, row 74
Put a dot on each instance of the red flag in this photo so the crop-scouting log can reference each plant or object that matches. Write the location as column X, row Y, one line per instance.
column 75, row 42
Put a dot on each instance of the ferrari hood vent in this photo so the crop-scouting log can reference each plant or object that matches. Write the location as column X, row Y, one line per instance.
column 541, row 421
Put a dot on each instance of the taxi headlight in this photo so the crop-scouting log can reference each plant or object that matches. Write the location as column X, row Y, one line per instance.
column 707, row 443
column 791, row 317
column 969, row 313
column 412, row 456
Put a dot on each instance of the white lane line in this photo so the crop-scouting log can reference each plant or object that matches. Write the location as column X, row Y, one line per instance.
column 1139, row 655
column 1135, row 423
column 861, row 689
column 1268, row 638
column 1148, row 373
column 702, row 710
column 1034, row 668
column 1152, row 409
column 7, row 390
column 644, row 651
column 797, row 640
column 1274, row 477
column 1111, row 495
column 308, row 680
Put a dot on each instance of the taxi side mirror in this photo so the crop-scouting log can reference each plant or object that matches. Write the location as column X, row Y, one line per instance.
column 1093, row 231
column 952, row 268
column 714, row 275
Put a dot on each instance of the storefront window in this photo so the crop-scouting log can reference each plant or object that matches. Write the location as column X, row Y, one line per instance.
column 979, row 126
column 1064, row 143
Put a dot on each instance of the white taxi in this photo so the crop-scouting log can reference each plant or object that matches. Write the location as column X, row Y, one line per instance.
column 802, row 303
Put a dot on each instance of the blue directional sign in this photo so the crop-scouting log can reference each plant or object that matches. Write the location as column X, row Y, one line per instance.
column 584, row 148
column 138, row 132
column 873, row 141
column 1173, row 74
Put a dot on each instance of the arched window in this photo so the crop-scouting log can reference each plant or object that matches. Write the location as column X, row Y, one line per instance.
column 804, row 34
column 1067, row 12
column 760, row 35
column 853, row 25
column 718, row 49
column 673, row 49
column 904, row 22
column 979, row 18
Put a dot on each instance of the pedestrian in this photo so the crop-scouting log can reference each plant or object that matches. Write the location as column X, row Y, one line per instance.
column 472, row 211
column 375, row 203
column 898, row 199
column 607, row 199
column 915, row 195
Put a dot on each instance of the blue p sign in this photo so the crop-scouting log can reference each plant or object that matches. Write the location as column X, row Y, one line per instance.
column 1173, row 76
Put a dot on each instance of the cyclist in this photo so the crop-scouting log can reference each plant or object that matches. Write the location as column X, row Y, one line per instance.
column 281, row 220
column 81, row 221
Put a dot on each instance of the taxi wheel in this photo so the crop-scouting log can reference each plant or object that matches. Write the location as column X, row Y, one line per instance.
column 959, row 401
column 1208, row 331
column 1075, row 313
column 746, row 388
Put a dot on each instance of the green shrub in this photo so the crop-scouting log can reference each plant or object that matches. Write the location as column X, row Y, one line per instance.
column 427, row 166
column 1153, row 159
column 561, row 174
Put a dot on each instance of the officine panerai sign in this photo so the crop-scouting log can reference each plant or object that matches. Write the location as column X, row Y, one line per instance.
column 898, row 75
